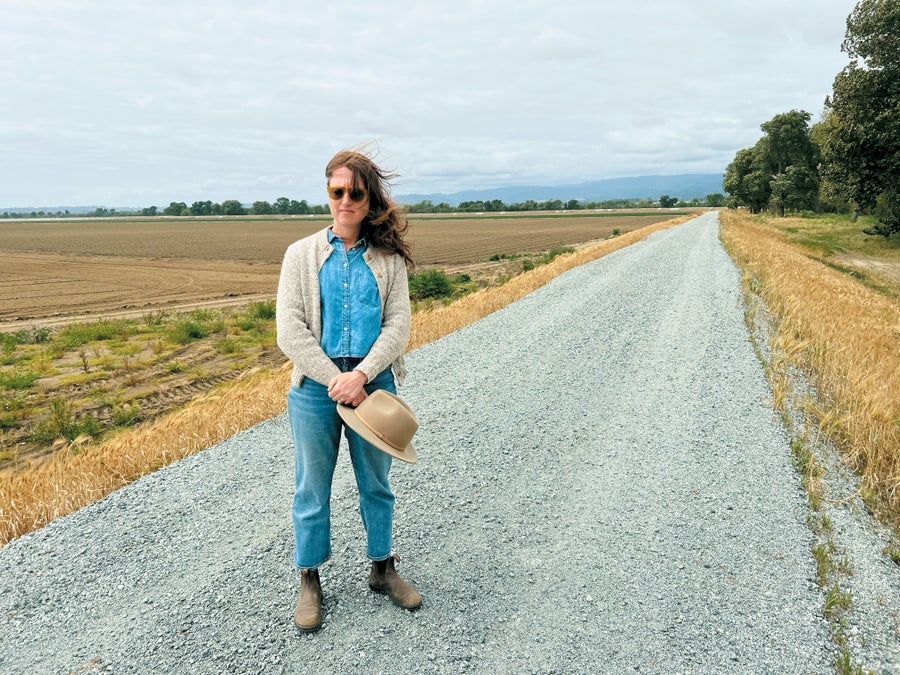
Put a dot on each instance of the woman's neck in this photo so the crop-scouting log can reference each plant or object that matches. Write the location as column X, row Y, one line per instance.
column 347, row 235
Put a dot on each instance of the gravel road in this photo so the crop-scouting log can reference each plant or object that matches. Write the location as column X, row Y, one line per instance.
column 602, row 487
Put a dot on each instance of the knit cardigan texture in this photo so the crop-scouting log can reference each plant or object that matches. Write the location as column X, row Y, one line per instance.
column 298, row 311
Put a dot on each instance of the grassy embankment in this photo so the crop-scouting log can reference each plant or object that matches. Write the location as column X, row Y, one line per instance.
column 834, row 298
column 80, row 473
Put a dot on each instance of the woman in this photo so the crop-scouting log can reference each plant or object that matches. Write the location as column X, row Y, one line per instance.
column 343, row 319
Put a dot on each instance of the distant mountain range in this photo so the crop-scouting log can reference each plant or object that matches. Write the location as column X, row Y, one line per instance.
column 684, row 186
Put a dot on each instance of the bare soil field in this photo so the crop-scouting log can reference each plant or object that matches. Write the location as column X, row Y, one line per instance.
column 57, row 271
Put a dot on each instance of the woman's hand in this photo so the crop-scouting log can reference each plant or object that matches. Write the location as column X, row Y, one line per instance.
column 348, row 388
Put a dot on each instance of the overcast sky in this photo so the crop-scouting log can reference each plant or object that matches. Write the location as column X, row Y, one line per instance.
column 143, row 102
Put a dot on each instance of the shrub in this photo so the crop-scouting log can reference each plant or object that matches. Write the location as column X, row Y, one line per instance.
column 186, row 331
column 29, row 336
column 430, row 284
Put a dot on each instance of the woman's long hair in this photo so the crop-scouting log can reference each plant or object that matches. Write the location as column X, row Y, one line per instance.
column 385, row 225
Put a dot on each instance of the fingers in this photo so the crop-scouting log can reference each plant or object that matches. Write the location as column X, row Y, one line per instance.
column 346, row 389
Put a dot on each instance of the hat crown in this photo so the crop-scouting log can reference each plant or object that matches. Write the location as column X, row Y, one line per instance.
column 389, row 418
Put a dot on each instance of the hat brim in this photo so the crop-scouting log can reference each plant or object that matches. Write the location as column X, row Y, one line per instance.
column 348, row 414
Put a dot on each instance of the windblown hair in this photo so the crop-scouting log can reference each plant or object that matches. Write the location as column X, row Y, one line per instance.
column 385, row 225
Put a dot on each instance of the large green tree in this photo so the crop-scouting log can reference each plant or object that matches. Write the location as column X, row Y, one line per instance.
column 745, row 182
column 176, row 209
column 780, row 170
column 233, row 207
column 862, row 147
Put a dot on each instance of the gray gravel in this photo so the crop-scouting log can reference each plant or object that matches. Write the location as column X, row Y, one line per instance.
column 602, row 487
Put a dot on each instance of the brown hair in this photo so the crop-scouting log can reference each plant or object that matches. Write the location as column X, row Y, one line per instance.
column 385, row 225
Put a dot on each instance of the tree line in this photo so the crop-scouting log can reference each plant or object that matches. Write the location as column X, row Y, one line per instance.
column 849, row 161
column 285, row 206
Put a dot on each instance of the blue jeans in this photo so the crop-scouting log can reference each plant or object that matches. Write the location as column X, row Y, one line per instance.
column 316, row 428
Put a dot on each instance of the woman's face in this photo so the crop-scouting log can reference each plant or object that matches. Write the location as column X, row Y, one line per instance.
column 346, row 212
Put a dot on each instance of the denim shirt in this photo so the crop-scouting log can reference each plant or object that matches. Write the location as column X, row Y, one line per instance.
column 351, row 304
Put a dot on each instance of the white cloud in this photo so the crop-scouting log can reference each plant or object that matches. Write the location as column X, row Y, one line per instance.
column 131, row 103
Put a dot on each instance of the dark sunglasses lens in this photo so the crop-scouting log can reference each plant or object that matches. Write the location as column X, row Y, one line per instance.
column 357, row 195
column 336, row 193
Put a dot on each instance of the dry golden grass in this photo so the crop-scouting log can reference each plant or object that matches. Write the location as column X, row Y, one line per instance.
column 845, row 336
column 79, row 475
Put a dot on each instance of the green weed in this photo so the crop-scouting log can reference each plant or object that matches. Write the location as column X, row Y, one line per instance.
column 186, row 331
column 837, row 601
column 264, row 311
column 227, row 346
column 18, row 379
column 125, row 415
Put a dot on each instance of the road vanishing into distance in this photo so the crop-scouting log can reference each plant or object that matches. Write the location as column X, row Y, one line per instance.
column 602, row 486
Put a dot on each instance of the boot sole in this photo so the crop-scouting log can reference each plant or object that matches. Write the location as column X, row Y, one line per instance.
column 307, row 629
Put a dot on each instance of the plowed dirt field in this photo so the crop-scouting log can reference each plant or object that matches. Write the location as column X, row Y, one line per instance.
column 56, row 271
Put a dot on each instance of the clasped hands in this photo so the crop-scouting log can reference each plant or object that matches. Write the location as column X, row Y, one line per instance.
column 348, row 388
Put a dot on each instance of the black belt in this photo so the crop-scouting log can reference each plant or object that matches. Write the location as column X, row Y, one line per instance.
column 346, row 363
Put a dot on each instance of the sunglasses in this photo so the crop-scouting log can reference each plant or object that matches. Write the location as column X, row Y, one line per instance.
column 355, row 194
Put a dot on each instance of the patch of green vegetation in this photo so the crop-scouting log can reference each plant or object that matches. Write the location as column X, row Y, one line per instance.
column 19, row 378
column 837, row 601
column 125, row 415
column 264, row 311
column 77, row 334
column 155, row 318
column 830, row 234
column 227, row 346
column 60, row 422
column 553, row 253
column 435, row 284
column 430, row 284
column 186, row 331
column 893, row 553
column 32, row 336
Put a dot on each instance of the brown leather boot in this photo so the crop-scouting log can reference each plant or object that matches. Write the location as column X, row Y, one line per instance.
column 384, row 579
column 308, row 612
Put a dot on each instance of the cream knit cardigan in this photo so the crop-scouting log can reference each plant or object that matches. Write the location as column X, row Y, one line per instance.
column 298, row 311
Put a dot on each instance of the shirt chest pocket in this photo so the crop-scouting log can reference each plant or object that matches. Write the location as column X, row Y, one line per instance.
column 366, row 290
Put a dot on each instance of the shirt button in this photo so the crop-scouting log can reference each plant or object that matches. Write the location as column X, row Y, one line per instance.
column 345, row 285
column 346, row 328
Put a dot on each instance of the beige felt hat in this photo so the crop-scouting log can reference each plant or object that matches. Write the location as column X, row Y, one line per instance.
column 385, row 421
